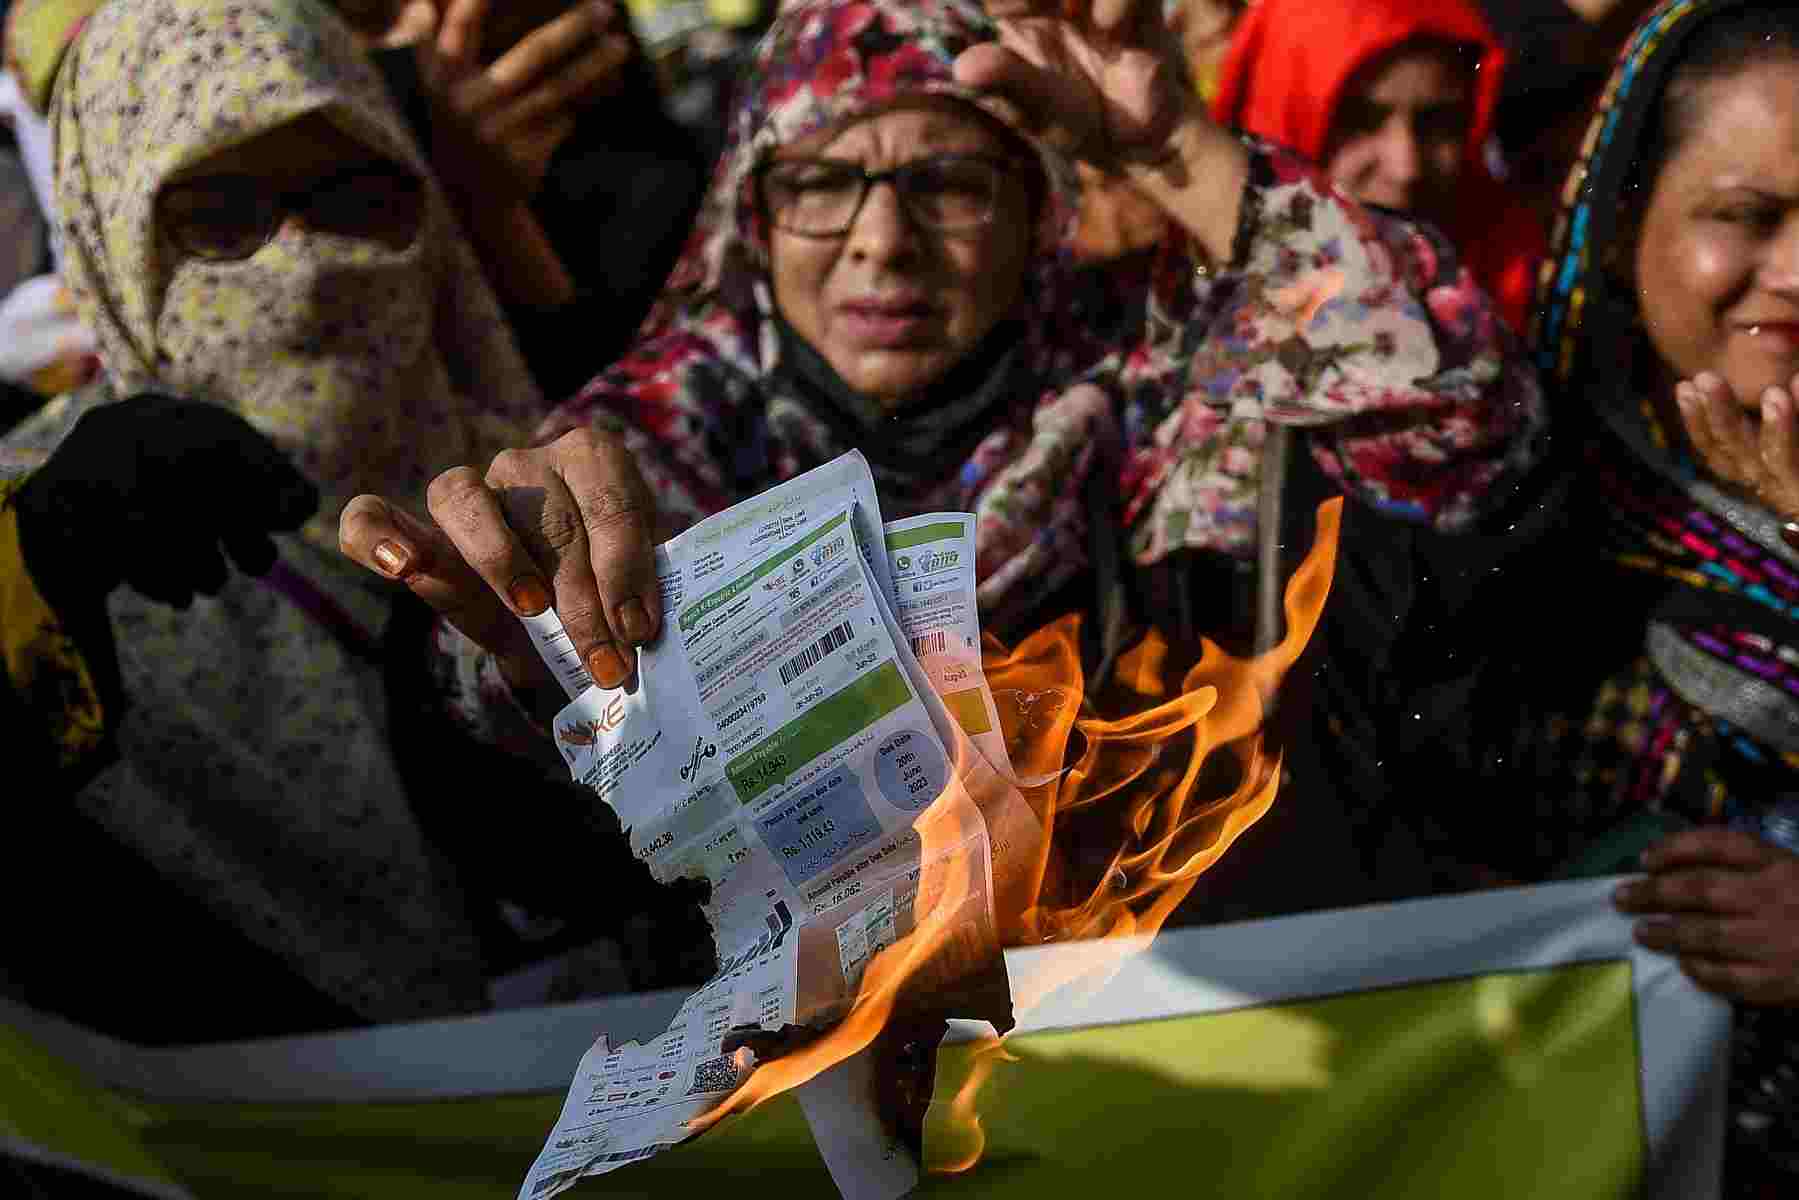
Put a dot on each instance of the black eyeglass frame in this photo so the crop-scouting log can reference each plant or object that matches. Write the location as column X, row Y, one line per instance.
column 1004, row 167
column 249, row 190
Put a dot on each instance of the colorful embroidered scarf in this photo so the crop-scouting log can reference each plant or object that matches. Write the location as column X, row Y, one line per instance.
column 1149, row 388
column 1720, row 680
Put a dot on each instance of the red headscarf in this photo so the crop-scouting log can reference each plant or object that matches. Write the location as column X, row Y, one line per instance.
column 1284, row 75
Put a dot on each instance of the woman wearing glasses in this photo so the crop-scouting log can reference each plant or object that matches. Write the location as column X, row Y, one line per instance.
column 873, row 271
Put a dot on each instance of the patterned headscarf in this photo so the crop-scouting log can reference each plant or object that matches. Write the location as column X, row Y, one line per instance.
column 1577, row 306
column 710, row 397
column 37, row 35
column 373, row 368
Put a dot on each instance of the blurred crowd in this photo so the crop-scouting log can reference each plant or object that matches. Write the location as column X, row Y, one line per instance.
column 335, row 335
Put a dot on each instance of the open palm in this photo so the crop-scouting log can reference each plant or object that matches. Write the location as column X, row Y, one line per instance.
column 1102, row 80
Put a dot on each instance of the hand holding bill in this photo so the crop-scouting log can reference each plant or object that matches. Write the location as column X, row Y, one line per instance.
column 569, row 524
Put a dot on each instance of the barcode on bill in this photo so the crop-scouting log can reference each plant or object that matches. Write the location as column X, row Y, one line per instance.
column 630, row 1155
column 808, row 658
column 928, row 643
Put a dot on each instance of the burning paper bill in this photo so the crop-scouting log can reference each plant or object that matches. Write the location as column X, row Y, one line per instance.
column 785, row 743
column 875, row 805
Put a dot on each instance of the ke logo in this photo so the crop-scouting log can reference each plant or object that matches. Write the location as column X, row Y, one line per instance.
column 701, row 749
column 586, row 733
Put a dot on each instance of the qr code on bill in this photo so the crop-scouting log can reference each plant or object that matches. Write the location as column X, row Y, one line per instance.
column 714, row 1075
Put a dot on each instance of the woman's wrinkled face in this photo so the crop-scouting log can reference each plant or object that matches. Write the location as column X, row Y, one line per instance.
column 1398, row 134
column 892, row 303
column 1717, row 256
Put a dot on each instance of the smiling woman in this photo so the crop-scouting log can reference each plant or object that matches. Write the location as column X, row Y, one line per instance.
column 1663, row 694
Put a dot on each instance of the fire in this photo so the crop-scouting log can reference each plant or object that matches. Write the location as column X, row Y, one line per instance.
column 1146, row 785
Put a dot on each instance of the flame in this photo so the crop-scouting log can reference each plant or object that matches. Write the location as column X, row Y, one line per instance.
column 1144, row 780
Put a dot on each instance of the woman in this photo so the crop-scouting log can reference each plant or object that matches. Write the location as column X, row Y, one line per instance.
column 1396, row 99
column 544, row 125
column 264, row 236
column 1671, row 321
column 869, row 273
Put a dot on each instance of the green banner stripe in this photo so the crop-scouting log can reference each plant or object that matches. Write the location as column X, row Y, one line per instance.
column 705, row 606
column 909, row 538
column 832, row 721
column 49, row 1104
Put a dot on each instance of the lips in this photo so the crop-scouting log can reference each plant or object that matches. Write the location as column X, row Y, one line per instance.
column 887, row 321
column 1780, row 338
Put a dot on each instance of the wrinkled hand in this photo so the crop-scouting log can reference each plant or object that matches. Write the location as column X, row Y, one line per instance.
column 146, row 491
column 1727, row 905
column 496, row 125
column 1761, row 458
column 569, row 524
column 1101, row 80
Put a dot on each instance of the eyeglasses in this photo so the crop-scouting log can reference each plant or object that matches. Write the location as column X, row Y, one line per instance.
column 820, row 197
column 225, row 217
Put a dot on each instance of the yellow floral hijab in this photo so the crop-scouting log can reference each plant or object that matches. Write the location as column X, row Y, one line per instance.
column 374, row 368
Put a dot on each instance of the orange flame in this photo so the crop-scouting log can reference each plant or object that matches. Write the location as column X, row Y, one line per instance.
column 1144, row 774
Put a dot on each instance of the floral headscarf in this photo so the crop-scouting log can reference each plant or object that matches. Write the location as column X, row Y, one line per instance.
column 713, row 387
column 373, row 368
column 1148, row 386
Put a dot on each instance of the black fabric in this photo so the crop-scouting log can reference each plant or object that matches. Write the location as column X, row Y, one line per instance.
column 98, row 937
column 144, row 492
column 1407, row 689
column 942, row 425
column 555, row 854
column 617, row 203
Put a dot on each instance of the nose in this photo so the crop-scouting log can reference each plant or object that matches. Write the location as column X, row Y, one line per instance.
column 883, row 230
column 1401, row 155
column 1780, row 265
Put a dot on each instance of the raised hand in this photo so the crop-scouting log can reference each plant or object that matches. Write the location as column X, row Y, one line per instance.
column 1102, row 80
column 1760, row 458
column 1105, row 82
column 1727, row 905
column 497, row 124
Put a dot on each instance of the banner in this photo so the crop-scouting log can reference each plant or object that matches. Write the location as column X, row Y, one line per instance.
column 1503, row 1043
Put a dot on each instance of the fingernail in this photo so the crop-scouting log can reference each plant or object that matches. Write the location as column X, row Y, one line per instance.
column 393, row 558
column 1624, row 894
column 635, row 621
column 1683, row 396
column 1773, row 405
column 606, row 666
column 529, row 595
